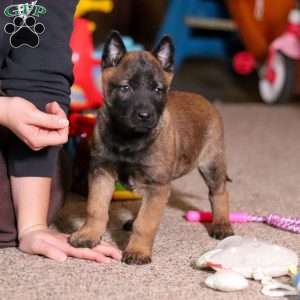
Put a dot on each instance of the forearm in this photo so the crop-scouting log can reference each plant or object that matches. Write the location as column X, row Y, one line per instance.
column 31, row 202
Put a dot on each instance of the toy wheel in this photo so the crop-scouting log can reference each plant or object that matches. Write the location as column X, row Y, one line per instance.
column 276, row 81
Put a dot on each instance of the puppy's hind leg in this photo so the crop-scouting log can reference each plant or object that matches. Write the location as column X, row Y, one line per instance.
column 214, row 174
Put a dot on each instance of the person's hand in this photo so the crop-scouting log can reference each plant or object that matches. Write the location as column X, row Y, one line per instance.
column 54, row 245
column 35, row 128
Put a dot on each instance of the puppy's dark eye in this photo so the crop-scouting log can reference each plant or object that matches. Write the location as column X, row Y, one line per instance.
column 124, row 88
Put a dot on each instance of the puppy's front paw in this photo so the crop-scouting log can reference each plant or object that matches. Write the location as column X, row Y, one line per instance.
column 85, row 238
column 220, row 231
column 135, row 258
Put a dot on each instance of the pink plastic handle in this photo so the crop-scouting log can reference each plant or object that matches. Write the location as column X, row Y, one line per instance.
column 205, row 216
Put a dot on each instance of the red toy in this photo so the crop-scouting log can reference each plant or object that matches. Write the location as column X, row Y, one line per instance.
column 84, row 63
column 82, row 125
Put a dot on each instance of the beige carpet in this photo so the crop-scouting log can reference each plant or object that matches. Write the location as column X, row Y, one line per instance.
column 263, row 147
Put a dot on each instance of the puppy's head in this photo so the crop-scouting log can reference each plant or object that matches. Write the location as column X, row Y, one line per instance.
column 136, row 84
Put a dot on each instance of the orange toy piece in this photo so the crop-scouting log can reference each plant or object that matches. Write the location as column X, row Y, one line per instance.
column 260, row 22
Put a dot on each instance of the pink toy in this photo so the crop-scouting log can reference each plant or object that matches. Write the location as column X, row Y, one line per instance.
column 289, row 224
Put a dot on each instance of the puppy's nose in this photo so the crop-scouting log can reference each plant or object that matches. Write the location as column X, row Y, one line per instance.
column 143, row 115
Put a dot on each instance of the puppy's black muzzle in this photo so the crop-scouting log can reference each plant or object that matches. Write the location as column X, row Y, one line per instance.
column 144, row 119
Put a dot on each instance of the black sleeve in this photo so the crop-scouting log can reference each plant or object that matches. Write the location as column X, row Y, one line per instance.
column 41, row 74
column 44, row 73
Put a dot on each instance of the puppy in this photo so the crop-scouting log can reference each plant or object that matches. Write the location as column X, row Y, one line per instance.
column 146, row 136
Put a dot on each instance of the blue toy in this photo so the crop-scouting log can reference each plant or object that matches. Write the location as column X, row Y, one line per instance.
column 178, row 25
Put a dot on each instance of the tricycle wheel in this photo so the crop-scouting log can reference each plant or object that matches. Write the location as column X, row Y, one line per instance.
column 277, row 79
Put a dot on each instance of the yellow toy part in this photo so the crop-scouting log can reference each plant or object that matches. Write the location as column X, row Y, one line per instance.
column 85, row 6
column 293, row 270
column 125, row 195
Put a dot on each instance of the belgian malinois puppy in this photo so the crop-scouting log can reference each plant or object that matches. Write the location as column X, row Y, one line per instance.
column 146, row 136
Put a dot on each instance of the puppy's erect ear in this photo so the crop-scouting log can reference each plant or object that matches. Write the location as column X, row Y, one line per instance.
column 165, row 52
column 113, row 50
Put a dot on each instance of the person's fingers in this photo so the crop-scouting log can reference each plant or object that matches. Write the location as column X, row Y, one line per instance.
column 89, row 254
column 82, row 253
column 39, row 138
column 54, row 108
column 47, row 120
column 57, row 247
column 109, row 250
column 50, row 108
column 44, row 248
column 99, row 253
column 103, row 259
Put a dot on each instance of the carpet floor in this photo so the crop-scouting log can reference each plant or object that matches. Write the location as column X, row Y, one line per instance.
column 263, row 151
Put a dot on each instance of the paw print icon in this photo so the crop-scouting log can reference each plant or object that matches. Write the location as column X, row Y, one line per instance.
column 24, row 31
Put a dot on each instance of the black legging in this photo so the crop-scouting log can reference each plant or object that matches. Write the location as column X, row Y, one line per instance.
column 23, row 162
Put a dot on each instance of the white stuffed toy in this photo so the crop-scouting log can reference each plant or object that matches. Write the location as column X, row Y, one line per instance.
column 237, row 258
